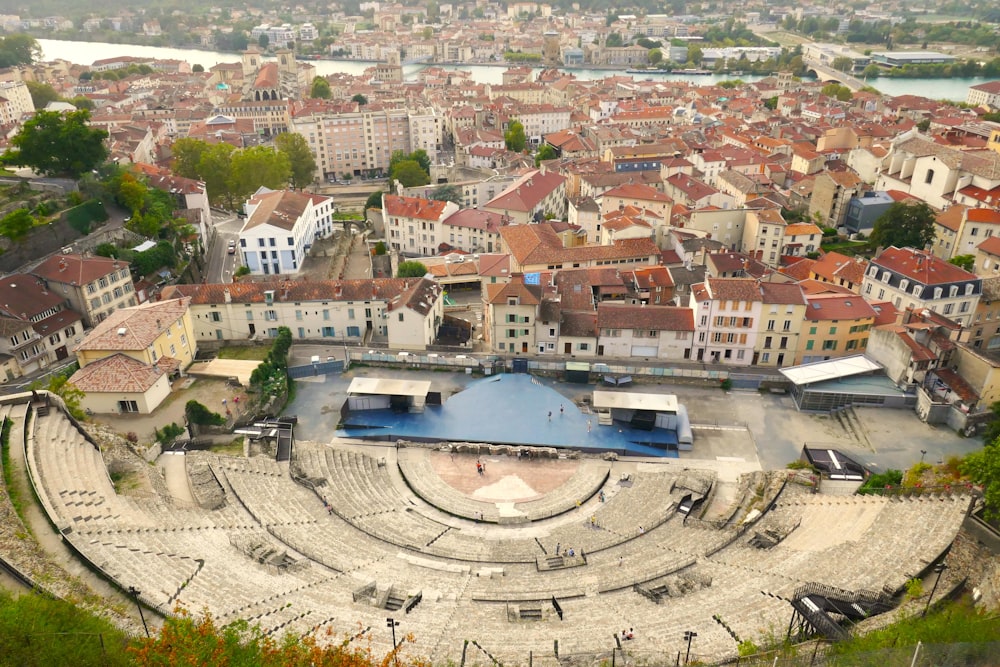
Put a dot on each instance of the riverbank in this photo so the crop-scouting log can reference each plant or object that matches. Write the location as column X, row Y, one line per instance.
column 85, row 53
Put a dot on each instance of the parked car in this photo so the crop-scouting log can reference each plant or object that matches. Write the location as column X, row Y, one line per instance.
column 232, row 248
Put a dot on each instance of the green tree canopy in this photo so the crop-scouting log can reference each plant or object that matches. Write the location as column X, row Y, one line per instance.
column 655, row 56
column 360, row 99
column 420, row 157
column 411, row 269
column 545, row 152
column 904, row 225
column 320, row 89
column 967, row 262
column 256, row 166
column 374, row 200
column 197, row 68
column 214, row 168
column 409, row 174
column 447, row 192
column 843, row 63
column 16, row 224
column 187, row 154
column 41, row 93
column 983, row 467
column 301, row 159
column 57, row 144
column 837, row 91
column 514, row 137
column 19, row 49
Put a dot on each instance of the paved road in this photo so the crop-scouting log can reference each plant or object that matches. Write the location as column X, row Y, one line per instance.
column 220, row 264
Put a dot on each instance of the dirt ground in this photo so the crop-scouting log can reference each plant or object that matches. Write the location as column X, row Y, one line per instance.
column 504, row 478
column 209, row 393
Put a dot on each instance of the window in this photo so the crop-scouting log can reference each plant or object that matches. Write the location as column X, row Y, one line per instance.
column 948, row 308
column 328, row 332
column 833, row 330
column 298, row 315
column 809, row 344
column 766, row 357
column 291, row 241
column 215, row 316
column 271, row 315
column 829, row 345
column 770, row 325
column 271, row 242
column 930, row 176
column 767, row 342
column 249, row 316
column 812, row 331
column 583, row 347
column 401, row 317
column 787, row 325
column 511, row 333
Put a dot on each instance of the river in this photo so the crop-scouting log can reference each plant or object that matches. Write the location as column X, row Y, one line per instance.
column 85, row 53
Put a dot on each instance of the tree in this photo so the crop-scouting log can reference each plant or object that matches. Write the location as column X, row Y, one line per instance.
column 447, row 192
column 514, row 137
column 41, row 93
column 837, row 91
column 197, row 68
column 71, row 395
column 256, row 166
column 301, row 159
column 545, row 152
column 360, row 99
column 411, row 269
column 16, row 224
column 983, row 467
column 374, row 200
column 320, row 89
column 904, row 225
column 421, row 157
column 842, row 64
column 409, row 174
column 214, row 168
column 967, row 262
column 655, row 56
column 131, row 193
column 263, row 41
column 57, row 144
column 187, row 155
column 695, row 55
column 19, row 49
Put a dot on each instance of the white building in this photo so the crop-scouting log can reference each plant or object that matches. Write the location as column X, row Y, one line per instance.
column 280, row 228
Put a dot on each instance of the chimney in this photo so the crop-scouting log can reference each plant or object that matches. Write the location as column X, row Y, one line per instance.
column 227, row 295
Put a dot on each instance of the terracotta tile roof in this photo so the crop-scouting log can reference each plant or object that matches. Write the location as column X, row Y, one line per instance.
column 118, row 373
column 530, row 295
column 648, row 277
column 281, row 209
column 986, row 215
column 57, row 321
column 11, row 325
column 952, row 218
column 376, row 289
column 581, row 324
column 825, row 307
column 957, row 384
column 494, row 265
column 799, row 270
column 918, row 352
column 921, row 266
column 76, row 269
column 419, row 296
column 539, row 244
column 476, row 218
column 802, row 228
column 835, row 266
column 990, row 246
column 25, row 296
column 135, row 328
column 527, row 192
column 885, row 312
column 637, row 191
column 414, row 207
column 662, row 318
column 782, row 293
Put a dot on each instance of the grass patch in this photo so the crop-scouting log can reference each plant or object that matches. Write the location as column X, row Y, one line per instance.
column 124, row 481
column 15, row 490
column 244, row 353
column 234, row 448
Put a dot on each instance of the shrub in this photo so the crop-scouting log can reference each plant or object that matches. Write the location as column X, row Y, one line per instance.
column 726, row 384
column 132, row 437
column 168, row 433
column 86, row 214
column 197, row 413
column 881, row 481
column 914, row 588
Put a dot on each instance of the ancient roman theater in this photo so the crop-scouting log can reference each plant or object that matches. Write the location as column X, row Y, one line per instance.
column 541, row 554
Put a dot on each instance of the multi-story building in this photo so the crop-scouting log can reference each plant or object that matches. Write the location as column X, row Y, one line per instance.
column 917, row 279
column 95, row 287
column 532, row 197
column 415, row 226
column 280, row 229
column 984, row 94
column 509, row 316
column 960, row 230
column 835, row 325
column 831, row 194
column 38, row 327
column 782, row 311
column 651, row 332
column 540, row 247
column 359, row 141
column 351, row 311
column 727, row 314
column 764, row 233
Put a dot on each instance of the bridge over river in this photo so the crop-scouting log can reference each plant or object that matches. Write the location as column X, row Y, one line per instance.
column 827, row 73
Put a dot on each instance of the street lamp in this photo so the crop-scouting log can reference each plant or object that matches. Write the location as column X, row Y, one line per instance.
column 688, row 635
column 135, row 593
column 392, row 623
column 938, row 569
column 923, row 453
